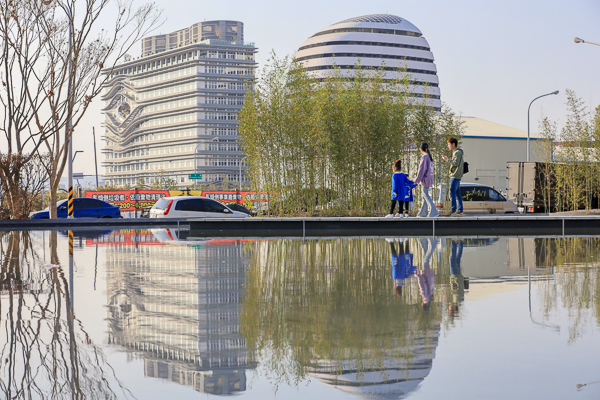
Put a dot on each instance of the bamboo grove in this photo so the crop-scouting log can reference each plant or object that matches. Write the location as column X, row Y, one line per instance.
column 326, row 146
column 569, row 165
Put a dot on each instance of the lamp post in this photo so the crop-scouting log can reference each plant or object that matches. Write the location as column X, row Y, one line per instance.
column 579, row 40
column 242, row 160
column 75, row 155
column 195, row 153
column 70, row 93
column 95, row 160
column 528, row 109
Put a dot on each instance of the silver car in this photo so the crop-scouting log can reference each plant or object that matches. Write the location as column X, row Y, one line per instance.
column 192, row 207
column 483, row 199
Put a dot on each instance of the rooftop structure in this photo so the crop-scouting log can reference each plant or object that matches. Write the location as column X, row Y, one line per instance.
column 378, row 41
column 231, row 31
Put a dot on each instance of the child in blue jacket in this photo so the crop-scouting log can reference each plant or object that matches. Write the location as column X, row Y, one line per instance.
column 401, row 192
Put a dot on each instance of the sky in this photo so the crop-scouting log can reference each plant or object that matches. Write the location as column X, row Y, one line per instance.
column 493, row 57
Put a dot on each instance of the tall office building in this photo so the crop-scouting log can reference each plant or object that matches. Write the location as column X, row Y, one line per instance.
column 374, row 39
column 175, row 108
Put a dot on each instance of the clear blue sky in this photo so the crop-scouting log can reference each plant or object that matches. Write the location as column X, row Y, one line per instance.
column 493, row 57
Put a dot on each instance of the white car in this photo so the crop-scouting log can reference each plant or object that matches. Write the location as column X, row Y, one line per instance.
column 192, row 207
column 483, row 199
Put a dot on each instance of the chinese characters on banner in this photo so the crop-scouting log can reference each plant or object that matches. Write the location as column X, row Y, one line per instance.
column 132, row 200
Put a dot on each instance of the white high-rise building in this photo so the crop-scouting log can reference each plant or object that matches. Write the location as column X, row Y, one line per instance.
column 374, row 39
column 175, row 108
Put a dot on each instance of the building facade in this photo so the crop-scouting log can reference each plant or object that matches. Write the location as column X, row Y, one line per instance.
column 373, row 40
column 488, row 146
column 173, row 111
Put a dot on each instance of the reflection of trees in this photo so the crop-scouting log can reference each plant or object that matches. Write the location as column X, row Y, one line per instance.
column 46, row 352
column 576, row 281
column 327, row 307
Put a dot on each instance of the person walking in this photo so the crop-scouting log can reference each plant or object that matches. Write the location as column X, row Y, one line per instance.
column 401, row 191
column 456, row 174
column 425, row 179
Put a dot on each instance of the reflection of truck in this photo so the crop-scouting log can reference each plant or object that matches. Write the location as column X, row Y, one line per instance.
column 524, row 186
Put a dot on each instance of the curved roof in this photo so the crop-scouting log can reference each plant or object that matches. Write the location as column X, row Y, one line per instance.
column 376, row 18
column 378, row 21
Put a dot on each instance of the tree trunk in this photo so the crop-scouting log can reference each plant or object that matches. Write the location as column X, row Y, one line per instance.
column 52, row 213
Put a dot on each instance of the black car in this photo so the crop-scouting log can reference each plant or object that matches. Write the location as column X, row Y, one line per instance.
column 238, row 207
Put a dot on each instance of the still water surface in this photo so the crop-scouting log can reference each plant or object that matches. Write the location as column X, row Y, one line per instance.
column 145, row 315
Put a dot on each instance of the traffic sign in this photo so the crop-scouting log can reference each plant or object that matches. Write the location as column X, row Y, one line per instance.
column 195, row 176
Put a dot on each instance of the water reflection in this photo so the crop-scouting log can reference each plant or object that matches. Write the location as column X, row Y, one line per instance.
column 46, row 352
column 322, row 309
column 177, row 307
column 402, row 264
column 426, row 276
column 200, row 313
column 457, row 280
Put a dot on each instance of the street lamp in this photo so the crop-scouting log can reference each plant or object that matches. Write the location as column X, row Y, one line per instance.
column 548, row 94
column 578, row 40
column 70, row 93
column 195, row 153
column 75, row 155
column 241, row 161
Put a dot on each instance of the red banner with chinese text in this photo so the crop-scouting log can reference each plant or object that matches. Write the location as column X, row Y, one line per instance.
column 132, row 200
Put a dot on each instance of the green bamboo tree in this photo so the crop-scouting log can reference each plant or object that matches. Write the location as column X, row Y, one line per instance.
column 326, row 146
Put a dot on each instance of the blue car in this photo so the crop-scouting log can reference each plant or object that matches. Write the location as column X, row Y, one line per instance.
column 82, row 208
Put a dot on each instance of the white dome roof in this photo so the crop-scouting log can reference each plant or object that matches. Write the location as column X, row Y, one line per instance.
column 383, row 21
column 375, row 40
column 377, row 18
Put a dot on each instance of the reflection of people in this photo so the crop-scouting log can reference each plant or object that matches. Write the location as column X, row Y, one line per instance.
column 402, row 265
column 426, row 276
column 457, row 281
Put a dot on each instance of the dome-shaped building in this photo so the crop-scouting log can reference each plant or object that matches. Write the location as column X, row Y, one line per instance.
column 375, row 39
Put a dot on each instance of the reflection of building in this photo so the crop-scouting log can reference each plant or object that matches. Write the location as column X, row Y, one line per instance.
column 178, row 307
column 398, row 376
column 374, row 39
column 213, row 381
column 186, row 89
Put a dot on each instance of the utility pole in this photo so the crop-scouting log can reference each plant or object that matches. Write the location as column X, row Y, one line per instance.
column 95, row 159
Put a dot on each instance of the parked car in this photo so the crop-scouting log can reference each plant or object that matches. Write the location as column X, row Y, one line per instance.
column 145, row 212
column 82, row 208
column 483, row 199
column 192, row 207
